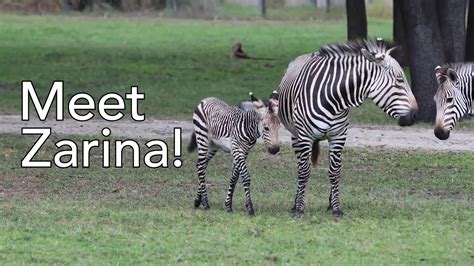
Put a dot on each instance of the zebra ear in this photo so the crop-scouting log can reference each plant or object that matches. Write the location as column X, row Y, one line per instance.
column 370, row 56
column 439, row 75
column 274, row 96
column 452, row 75
column 391, row 50
column 253, row 98
column 256, row 102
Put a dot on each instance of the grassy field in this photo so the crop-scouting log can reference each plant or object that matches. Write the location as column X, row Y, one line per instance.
column 401, row 208
column 175, row 62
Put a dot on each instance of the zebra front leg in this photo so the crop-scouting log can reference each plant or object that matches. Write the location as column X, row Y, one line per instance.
column 246, row 185
column 303, row 152
column 294, row 144
column 239, row 162
column 230, row 191
column 336, row 145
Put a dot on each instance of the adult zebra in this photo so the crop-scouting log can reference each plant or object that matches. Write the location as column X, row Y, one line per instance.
column 317, row 91
column 454, row 97
column 233, row 130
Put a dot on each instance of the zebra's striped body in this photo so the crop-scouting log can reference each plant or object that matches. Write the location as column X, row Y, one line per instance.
column 454, row 97
column 317, row 91
column 233, row 130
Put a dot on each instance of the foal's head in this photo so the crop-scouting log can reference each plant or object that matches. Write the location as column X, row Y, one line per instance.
column 270, row 124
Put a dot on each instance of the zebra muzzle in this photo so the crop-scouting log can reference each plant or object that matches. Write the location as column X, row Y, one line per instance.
column 408, row 119
column 441, row 134
column 273, row 149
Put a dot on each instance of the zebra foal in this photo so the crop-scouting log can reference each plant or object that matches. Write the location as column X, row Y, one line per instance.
column 235, row 130
column 454, row 97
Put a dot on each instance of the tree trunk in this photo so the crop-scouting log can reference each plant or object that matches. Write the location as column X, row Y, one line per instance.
column 452, row 22
column 263, row 7
column 159, row 4
column 356, row 19
column 401, row 54
column 67, row 5
column 470, row 33
column 425, row 50
column 175, row 7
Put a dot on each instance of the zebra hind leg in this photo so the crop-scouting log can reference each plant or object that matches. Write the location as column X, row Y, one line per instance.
column 205, row 154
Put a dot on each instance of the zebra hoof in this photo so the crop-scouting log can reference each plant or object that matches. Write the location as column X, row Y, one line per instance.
column 297, row 213
column 229, row 210
column 197, row 202
column 337, row 213
column 251, row 212
column 329, row 207
column 205, row 206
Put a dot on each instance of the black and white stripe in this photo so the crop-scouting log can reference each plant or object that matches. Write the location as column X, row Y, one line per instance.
column 317, row 92
column 454, row 97
column 231, row 129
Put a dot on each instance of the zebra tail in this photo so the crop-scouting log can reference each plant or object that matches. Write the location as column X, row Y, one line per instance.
column 315, row 153
column 192, row 143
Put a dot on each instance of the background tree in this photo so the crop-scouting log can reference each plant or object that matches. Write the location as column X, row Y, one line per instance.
column 470, row 33
column 435, row 35
column 452, row 23
column 399, row 34
column 356, row 19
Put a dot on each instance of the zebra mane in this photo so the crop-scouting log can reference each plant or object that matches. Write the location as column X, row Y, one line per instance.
column 460, row 68
column 353, row 48
column 248, row 106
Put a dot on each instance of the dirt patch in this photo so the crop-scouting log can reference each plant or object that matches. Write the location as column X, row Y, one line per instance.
column 32, row 187
column 442, row 194
column 390, row 137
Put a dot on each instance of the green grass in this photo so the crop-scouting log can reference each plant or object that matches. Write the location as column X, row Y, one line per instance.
column 176, row 63
column 405, row 207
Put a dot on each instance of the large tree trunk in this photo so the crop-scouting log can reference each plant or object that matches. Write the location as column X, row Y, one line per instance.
column 263, row 7
column 115, row 3
column 160, row 4
column 356, row 19
column 401, row 54
column 425, row 50
column 452, row 22
column 470, row 33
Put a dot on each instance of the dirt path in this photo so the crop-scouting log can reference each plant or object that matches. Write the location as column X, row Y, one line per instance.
column 359, row 136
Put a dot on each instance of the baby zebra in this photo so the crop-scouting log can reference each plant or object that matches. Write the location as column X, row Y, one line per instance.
column 454, row 97
column 233, row 130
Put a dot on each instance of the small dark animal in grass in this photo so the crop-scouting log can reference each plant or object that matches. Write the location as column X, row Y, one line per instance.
column 239, row 53
column 235, row 130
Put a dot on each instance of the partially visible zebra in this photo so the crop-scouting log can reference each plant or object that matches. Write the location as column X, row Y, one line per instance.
column 317, row 91
column 235, row 130
column 454, row 97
